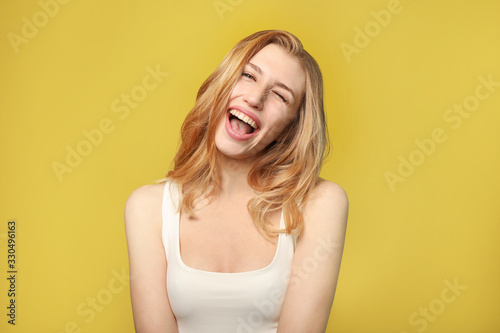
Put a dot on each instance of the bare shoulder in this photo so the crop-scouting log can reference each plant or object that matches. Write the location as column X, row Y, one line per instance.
column 327, row 190
column 143, row 206
column 327, row 208
column 309, row 298
column 147, row 260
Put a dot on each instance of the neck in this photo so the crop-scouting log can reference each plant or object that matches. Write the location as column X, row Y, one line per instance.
column 234, row 176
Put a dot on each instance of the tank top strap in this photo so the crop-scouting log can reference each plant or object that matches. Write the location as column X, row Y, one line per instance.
column 170, row 209
column 292, row 236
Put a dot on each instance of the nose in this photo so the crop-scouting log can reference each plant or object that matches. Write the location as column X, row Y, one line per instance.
column 254, row 97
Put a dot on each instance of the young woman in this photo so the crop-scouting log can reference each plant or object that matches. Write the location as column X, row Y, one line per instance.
column 242, row 235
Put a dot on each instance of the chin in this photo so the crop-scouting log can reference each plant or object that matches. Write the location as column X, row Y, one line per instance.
column 235, row 155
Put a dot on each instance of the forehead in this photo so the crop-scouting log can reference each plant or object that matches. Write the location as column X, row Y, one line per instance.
column 282, row 67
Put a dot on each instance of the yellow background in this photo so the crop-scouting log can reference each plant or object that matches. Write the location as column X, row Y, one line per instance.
column 405, row 242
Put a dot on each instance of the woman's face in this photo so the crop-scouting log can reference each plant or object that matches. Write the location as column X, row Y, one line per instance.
column 265, row 99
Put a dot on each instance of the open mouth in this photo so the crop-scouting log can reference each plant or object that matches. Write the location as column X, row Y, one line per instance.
column 241, row 123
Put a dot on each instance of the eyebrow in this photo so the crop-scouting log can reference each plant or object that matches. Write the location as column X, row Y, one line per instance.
column 279, row 84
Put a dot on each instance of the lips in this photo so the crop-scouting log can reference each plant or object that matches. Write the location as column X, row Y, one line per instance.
column 243, row 119
column 247, row 118
column 247, row 113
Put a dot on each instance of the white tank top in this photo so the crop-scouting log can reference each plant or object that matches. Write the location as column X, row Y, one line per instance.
column 206, row 302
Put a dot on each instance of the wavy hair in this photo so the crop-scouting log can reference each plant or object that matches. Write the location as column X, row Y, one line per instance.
column 286, row 172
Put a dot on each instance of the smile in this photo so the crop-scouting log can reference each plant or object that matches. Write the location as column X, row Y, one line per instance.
column 244, row 118
column 240, row 126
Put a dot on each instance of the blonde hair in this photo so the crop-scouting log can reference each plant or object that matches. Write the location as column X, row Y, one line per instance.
column 287, row 170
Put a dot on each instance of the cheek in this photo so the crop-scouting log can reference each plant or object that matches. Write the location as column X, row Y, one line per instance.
column 289, row 117
column 286, row 116
column 237, row 90
column 280, row 123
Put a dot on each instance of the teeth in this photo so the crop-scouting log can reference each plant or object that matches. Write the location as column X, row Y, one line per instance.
column 243, row 117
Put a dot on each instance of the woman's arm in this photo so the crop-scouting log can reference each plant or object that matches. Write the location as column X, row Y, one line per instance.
column 147, row 262
column 316, row 262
